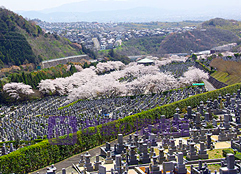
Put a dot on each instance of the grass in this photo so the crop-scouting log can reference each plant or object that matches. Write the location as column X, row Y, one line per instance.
column 211, row 167
column 59, row 47
column 215, row 153
column 226, row 78
column 185, row 138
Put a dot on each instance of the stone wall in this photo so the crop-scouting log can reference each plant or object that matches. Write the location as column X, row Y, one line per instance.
column 64, row 60
column 217, row 84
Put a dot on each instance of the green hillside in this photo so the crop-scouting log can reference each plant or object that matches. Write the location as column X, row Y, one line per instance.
column 213, row 33
column 196, row 40
column 231, row 25
column 24, row 42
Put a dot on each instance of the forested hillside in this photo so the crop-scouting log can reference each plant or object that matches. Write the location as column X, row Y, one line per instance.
column 231, row 25
column 196, row 40
column 22, row 41
column 212, row 33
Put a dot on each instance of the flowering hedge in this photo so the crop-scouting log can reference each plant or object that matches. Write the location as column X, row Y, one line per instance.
column 42, row 154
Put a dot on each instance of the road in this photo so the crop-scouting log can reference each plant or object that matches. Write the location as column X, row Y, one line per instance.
column 208, row 86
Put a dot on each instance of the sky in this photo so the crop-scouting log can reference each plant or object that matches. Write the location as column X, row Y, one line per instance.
column 33, row 5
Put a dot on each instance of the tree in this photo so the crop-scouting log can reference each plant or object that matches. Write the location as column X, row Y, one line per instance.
column 194, row 57
column 73, row 69
column 111, row 53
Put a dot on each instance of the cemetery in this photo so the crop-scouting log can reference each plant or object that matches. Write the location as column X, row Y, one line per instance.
column 30, row 119
column 185, row 130
column 153, row 149
column 177, row 136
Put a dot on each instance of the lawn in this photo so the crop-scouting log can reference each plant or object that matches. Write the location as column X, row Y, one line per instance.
column 226, row 78
column 215, row 153
column 211, row 167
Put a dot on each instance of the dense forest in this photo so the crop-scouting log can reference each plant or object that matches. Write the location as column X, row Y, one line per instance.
column 22, row 42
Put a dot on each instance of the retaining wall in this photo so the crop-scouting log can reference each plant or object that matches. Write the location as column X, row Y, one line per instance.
column 64, row 60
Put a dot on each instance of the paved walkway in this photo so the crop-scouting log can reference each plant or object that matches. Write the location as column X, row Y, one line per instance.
column 209, row 86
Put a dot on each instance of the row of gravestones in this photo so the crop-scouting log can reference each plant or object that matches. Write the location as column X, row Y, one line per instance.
column 120, row 167
column 127, row 151
column 28, row 126
column 30, row 130
column 177, row 68
column 60, row 130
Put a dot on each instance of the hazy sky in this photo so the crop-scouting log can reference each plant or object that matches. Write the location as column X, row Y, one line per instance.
column 29, row 5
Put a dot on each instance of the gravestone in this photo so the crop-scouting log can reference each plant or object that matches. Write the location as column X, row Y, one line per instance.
column 154, row 168
column 192, row 152
column 145, row 158
column 81, row 161
column 102, row 170
column 132, row 156
column 97, row 163
column 161, row 156
column 118, row 165
column 168, row 167
column 231, row 168
column 189, row 112
column 120, row 146
column 108, row 159
column 202, row 153
column 87, row 163
column 180, row 168
column 226, row 123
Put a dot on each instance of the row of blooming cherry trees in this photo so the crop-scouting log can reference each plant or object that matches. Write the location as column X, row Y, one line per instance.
column 111, row 79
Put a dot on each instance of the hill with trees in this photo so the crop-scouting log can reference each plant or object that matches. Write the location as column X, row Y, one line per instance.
column 231, row 25
column 21, row 42
column 196, row 40
column 212, row 33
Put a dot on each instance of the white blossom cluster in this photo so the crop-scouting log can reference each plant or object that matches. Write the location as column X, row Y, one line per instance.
column 136, row 79
column 173, row 58
column 110, row 66
column 193, row 75
column 121, row 80
column 16, row 90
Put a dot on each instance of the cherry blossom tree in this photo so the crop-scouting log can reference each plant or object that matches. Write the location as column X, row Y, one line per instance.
column 109, row 66
column 17, row 90
column 193, row 75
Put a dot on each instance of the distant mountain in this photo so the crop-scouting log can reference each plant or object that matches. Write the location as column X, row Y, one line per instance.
column 135, row 11
column 22, row 41
column 139, row 14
